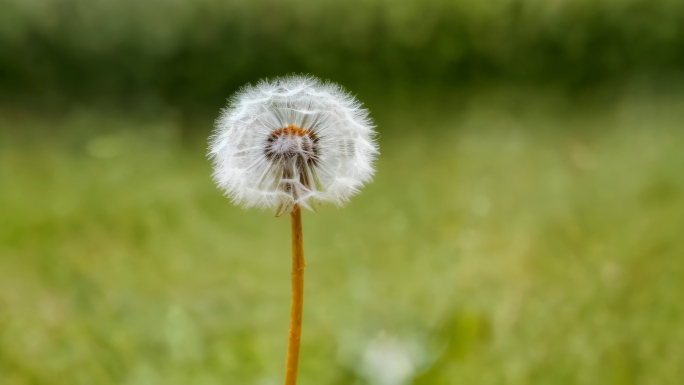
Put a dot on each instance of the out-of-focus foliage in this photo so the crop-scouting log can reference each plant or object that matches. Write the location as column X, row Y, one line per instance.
column 204, row 49
column 511, row 236
column 518, row 241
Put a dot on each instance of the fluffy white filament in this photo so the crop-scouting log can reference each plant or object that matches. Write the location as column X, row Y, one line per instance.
column 292, row 141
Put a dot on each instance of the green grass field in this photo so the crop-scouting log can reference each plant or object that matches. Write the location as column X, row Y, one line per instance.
column 505, row 240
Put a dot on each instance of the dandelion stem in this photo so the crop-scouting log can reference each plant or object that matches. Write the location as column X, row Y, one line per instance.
column 297, row 300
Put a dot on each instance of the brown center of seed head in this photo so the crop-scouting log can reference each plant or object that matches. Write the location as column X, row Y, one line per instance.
column 280, row 143
column 294, row 152
column 289, row 130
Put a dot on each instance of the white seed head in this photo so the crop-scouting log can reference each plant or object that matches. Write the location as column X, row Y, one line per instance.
column 292, row 141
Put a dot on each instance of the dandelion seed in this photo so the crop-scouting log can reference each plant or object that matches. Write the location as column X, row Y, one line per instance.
column 289, row 143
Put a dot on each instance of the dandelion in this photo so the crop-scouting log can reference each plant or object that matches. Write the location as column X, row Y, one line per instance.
column 389, row 361
column 294, row 142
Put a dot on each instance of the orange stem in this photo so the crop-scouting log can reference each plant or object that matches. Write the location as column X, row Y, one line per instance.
column 297, row 300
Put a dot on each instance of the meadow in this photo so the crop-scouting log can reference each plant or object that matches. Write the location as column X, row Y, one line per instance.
column 510, row 237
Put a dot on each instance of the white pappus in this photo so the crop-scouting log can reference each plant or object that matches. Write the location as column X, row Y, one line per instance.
column 292, row 141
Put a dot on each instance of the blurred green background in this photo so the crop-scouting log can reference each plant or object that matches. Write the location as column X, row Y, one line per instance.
column 524, row 226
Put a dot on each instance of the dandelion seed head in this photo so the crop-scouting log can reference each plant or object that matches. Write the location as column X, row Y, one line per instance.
column 388, row 360
column 292, row 141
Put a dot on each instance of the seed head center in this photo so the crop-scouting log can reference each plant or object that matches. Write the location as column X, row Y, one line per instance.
column 289, row 130
column 292, row 142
